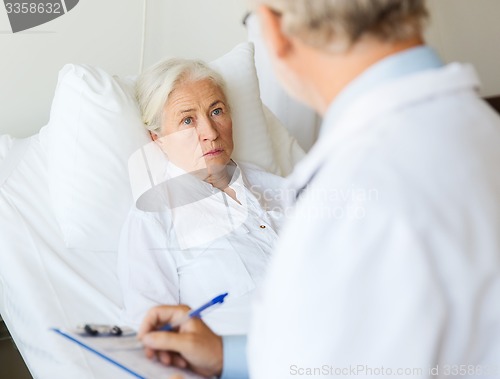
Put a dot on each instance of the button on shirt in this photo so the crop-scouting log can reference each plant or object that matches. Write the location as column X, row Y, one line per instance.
column 201, row 246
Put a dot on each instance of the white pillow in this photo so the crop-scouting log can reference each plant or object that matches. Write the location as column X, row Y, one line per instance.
column 95, row 126
column 252, row 141
column 287, row 151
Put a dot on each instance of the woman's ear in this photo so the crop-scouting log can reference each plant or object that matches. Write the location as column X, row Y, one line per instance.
column 153, row 135
column 277, row 41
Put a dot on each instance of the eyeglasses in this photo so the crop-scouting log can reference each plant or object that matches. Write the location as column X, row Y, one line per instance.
column 245, row 18
column 249, row 13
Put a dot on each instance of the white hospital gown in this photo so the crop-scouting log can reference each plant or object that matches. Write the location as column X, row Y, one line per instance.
column 199, row 247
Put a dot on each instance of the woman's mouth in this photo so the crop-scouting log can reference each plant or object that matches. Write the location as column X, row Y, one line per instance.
column 213, row 153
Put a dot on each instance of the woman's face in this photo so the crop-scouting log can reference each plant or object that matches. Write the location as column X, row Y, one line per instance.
column 197, row 129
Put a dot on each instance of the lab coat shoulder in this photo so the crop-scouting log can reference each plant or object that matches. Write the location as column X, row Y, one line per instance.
column 396, row 235
column 432, row 143
column 432, row 165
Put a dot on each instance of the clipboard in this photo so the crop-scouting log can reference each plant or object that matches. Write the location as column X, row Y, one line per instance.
column 126, row 353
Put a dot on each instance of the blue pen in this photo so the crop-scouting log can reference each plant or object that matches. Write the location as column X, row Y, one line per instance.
column 196, row 313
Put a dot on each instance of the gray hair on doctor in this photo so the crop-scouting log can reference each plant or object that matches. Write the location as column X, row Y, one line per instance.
column 336, row 25
column 154, row 86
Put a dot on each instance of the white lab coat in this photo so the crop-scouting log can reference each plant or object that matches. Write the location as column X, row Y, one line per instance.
column 391, row 259
column 192, row 252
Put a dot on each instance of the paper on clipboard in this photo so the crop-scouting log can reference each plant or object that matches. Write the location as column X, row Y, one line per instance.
column 126, row 353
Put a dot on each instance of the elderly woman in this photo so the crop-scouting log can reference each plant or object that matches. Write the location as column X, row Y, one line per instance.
column 210, row 233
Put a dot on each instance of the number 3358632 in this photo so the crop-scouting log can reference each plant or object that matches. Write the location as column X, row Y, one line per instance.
column 33, row 8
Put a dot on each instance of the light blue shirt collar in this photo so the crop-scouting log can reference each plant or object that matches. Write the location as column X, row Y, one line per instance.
column 405, row 63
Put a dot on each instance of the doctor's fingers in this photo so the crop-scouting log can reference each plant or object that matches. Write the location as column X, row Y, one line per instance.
column 161, row 315
column 182, row 343
column 200, row 348
column 167, row 358
column 172, row 359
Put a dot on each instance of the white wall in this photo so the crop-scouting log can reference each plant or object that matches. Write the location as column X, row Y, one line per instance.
column 106, row 34
column 469, row 31
column 96, row 32
column 203, row 29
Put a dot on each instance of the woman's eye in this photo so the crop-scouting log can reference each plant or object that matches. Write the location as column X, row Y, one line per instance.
column 188, row 121
column 217, row 112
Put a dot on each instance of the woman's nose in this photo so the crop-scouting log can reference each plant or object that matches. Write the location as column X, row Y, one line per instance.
column 207, row 130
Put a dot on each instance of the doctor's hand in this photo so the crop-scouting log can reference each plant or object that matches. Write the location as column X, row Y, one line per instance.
column 194, row 346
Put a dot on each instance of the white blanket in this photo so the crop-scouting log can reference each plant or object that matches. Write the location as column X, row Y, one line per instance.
column 43, row 284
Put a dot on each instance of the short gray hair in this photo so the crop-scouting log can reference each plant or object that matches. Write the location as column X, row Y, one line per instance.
column 154, row 86
column 338, row 24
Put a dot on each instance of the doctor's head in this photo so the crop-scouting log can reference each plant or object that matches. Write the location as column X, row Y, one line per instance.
column 184, row 106
column 305, row 36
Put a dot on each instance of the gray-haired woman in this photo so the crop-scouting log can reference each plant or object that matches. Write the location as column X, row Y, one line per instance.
column 210, row 234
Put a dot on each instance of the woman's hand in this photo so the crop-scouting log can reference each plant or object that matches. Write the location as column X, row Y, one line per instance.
column 194, row 346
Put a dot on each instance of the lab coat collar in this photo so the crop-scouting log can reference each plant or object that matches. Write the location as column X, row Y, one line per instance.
column 393, row 67
column 359, row 116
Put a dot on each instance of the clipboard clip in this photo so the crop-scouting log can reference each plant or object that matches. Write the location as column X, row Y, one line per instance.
column 100, row 330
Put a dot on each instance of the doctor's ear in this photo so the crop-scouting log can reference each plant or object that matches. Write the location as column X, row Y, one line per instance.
column 153, row 135
column 277, row 41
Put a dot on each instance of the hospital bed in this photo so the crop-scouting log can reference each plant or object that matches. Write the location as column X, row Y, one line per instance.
column 65, row 192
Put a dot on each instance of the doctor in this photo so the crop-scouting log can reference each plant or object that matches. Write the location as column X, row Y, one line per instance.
column 390, row 264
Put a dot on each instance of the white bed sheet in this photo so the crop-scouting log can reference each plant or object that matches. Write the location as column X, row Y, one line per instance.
column 80, row 286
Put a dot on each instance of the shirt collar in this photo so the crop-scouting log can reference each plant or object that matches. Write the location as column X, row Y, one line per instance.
column 172, row 171
column 179, row 188
column 401, row 64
